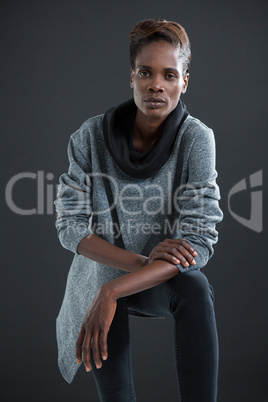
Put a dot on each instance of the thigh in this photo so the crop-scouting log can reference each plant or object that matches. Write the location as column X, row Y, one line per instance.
column 154, row 302
column 161, row 301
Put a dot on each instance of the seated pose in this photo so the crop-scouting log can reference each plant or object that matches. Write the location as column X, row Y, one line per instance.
column 138, row 207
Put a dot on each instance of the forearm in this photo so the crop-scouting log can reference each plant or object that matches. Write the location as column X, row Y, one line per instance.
column 100, row 250
column 150, row 275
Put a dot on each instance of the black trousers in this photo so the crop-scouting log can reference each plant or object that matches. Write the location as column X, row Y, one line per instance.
column 188, row 298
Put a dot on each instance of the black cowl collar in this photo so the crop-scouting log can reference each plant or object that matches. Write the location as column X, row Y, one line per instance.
column 118, row 134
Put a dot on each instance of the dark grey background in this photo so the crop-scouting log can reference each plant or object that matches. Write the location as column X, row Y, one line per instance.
column 65, row 61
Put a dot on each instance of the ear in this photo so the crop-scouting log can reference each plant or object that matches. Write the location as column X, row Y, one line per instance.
column 131, row 77
column 185, row 82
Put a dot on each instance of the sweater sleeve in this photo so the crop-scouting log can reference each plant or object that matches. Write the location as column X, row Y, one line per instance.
column 73, row 204
column 199, row 206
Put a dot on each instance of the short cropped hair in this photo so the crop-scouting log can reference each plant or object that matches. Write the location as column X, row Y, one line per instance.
column 151, row 30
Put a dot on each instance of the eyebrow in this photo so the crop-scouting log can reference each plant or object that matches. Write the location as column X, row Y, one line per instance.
column 165, row 69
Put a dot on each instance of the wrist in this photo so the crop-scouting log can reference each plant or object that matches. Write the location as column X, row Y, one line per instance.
column 109, row 291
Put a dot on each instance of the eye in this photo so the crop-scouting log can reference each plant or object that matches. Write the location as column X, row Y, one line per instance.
column 144, row 74
column 170, row 76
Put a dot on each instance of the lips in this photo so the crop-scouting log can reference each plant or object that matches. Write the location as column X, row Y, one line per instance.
column 155, row 102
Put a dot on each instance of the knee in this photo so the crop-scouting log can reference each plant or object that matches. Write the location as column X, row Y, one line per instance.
column 194, row 286
column 197, row 287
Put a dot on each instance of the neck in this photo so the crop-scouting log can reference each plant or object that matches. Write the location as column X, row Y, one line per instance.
column 146, row 132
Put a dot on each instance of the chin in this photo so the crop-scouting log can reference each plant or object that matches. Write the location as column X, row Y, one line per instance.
column 157, row 113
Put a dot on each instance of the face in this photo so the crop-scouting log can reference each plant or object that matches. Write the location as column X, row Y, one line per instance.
column 157, row 80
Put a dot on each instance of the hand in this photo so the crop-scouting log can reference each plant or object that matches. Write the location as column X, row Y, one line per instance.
column 177, row 251
column 94, row 330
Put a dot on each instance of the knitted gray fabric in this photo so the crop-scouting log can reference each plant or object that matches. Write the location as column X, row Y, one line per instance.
column 179, row 201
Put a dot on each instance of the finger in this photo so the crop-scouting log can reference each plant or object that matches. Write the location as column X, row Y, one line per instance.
column 183, row 255
column 179, row 252
column 95, row 348
column 184, row 243
column 169, row 251
column 103, row 344
column 79, row 344
column 167, row 256
column 180, row 257
column 189, row 247
column 86, row 350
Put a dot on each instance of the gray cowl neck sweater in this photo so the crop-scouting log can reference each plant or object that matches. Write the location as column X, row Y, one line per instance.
column 180, row 199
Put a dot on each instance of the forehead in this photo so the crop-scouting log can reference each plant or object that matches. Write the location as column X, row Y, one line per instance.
column 159, row 54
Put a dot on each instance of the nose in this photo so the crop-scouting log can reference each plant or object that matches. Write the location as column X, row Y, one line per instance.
column 156, row 85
